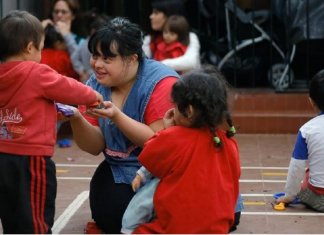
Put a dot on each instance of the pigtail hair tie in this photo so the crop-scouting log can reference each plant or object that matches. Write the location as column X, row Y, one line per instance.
column 231, row 132
column 217, row 141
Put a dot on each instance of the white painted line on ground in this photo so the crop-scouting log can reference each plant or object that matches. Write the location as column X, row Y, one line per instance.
column 256, row 195
column 75, row 165
column 283, row 213
column 74, row 178
column 263, row 168
column 243, row 167
column 241, row 181
column 261, row 181
column 69, row 212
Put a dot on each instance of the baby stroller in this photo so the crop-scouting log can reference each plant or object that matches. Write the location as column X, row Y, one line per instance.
column 303, row 20
column 293, row 16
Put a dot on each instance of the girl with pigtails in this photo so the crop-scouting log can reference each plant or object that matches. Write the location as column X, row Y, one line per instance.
column 194, row 162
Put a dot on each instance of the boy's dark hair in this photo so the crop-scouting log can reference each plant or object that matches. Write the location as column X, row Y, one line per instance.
column 120, row 32
column 169, row 7
column 316, row 89
column 52, row 36
column 179, row 25
column 206, row 90
column 17, row 29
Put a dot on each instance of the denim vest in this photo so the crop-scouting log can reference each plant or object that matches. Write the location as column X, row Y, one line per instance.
column 120, row 153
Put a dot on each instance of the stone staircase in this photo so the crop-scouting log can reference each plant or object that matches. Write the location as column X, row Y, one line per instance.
column 268, row 112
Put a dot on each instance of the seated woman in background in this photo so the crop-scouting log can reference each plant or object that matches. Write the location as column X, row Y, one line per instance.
column 162, row 9
column 63, row 17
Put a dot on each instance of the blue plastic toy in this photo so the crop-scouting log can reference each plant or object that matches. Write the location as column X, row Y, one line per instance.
column 280, row 194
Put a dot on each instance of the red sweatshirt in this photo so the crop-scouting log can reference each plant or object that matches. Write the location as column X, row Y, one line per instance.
column 27, row 111
column 199, row 183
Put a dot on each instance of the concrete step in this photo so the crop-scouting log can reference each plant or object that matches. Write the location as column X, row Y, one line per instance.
column 265, row 111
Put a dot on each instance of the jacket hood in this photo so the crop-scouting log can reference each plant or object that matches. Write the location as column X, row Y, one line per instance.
column 12, row 76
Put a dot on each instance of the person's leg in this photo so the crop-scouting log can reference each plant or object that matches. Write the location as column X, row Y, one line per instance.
column 42, row 193
column 311, row 199
column 108, row 200
column 51, row 190
column 140, row 208
column 237, row 216
column 23, row 194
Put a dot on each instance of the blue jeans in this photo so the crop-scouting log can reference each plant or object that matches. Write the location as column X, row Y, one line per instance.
column 140, row 209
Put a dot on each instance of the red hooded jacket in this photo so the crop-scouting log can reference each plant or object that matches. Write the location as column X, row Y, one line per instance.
column 27, row 111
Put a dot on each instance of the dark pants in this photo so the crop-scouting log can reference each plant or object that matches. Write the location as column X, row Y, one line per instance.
column 108, row 200
column 27, row 193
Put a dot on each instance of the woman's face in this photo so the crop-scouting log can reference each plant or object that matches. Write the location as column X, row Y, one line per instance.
column 62, row 12
column 158, row 19
column 110, row 71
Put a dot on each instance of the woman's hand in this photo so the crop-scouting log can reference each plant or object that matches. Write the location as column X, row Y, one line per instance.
column 108, row 110
column 168, row 118
column 47, row 22
column 63, row 27
column 136, row 183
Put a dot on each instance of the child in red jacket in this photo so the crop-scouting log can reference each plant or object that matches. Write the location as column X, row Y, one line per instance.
column 28, row 116
column 175, row 39
column 55, row 53
column 196, row 162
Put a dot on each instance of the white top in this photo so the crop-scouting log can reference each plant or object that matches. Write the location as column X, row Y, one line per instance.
column 309, row 150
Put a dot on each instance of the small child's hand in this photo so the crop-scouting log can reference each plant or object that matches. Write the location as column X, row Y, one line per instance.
column 65, row 112
column 168, row 118
column 136, row 183
column 285, row 199
column 99, row 97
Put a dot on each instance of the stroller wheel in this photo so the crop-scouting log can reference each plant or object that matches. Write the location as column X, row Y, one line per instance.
column 280, row 76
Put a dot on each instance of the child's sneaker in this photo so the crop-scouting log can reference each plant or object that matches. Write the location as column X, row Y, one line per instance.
column 92, row 228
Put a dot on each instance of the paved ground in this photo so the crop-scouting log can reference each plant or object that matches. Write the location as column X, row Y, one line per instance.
column 264, row 160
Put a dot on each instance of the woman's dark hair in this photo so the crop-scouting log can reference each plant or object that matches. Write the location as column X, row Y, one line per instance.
column 17, row 29
column 119, row 32
column 179, row 25
column 316, row 89
column 206, row 91
column 52, row 36
column 169, row 7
